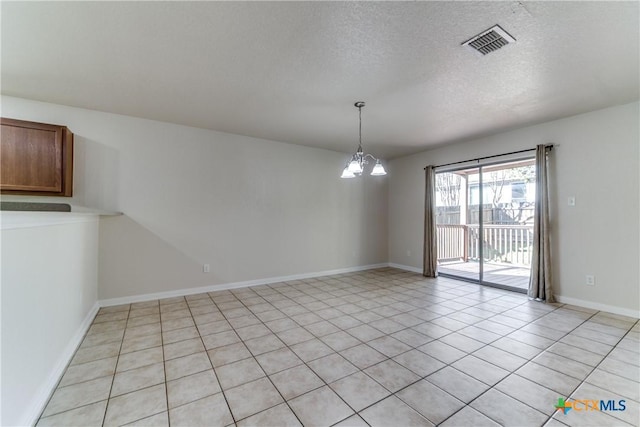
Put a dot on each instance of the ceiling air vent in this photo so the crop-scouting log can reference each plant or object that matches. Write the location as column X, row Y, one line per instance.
column 488, row 41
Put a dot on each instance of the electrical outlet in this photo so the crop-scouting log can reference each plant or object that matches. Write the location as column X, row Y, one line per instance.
column 571, row 201
column 206, row 268
column 408, row 253
column 590, row 280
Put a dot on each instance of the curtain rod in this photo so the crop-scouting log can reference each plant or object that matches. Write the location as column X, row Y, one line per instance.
column 548, row 146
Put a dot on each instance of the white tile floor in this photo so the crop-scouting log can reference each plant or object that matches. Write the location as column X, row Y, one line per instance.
column 380, row 348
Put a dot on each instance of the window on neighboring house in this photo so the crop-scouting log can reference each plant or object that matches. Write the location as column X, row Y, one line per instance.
column 518, row 192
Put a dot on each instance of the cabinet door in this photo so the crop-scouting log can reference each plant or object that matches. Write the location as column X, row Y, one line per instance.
column 35, row 158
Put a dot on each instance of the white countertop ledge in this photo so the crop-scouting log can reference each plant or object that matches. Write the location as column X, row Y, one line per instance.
column 26, row 219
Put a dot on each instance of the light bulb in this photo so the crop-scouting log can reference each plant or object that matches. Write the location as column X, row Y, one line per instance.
column 378, row 169
column 346, row 173
column 355, row 167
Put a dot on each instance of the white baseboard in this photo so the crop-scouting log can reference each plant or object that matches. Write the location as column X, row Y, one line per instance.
column 48, row 387
column 598, row 306
column 406, row 267
column 234, row 285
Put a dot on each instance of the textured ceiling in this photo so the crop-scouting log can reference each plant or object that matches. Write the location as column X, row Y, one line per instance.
column 291, row 71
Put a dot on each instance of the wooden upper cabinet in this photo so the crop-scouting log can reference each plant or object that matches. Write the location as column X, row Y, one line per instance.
column 35, row 159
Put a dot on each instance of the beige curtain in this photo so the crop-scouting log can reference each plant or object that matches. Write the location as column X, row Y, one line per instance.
column 540, row 279
column 430, row 268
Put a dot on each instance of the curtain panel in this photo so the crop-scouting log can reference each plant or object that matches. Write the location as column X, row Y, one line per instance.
column 540, row 280
column 430, row 266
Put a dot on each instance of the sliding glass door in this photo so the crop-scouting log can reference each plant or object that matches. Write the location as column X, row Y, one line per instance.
column 457, row 242
column 484, row 218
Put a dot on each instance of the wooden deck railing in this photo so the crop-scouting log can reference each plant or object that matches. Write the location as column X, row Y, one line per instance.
column 453, row 242
column 503, row 243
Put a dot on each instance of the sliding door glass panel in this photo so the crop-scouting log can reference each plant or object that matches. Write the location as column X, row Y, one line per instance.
column 507, row 223
column 484, row 220
column 457, row 240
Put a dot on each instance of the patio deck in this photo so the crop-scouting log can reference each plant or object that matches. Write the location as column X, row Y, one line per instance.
column 501, row 274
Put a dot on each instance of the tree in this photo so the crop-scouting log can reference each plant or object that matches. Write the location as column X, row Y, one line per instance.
column 448, row 186
column 519, row 211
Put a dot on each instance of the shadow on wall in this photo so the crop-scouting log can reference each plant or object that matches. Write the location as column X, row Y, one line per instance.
column 135, row 261
column 368, row 218
column 96, row 172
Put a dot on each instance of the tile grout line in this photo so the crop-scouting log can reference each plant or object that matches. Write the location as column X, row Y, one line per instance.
column 253, row 356
column 164, row 365
column 115, row 368
column 582, row 381
column 596, row 367
column 57, row 387
column 492, row 387
column 391, row 358
column 326, row 384
column 233, row 417
column 421, row 378
column 361, row 370
column 529, row 360
column 488, row 344
column 305, row 363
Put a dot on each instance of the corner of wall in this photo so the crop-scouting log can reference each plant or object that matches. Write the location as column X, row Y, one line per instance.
column 45, row 392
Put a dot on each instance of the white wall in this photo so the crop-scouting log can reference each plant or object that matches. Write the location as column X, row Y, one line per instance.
column 597, row 161
column 250, row 208
column 49, row 293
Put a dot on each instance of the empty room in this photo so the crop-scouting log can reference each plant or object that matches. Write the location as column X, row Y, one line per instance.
column 320, row 213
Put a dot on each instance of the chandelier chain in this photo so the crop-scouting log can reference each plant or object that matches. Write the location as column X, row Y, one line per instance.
column 360, row 129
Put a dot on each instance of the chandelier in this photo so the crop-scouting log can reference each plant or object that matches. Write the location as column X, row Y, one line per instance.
column 355, row 166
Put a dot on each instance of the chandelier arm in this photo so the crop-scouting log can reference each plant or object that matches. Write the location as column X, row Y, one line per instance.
column 369, row 155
